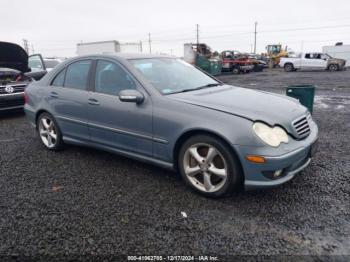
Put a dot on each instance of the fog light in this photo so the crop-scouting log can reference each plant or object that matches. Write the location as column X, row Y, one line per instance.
column 277, row 173
column 273, row 174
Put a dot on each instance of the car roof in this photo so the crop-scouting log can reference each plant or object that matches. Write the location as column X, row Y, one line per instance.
column 121, row 57
column 126, row 56
column 53, row 58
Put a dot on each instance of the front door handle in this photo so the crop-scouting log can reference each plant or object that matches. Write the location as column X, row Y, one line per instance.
column 54, row 95
column 93, row 101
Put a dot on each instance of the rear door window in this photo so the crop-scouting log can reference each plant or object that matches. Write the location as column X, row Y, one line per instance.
column 77, row 75
column 59, row 79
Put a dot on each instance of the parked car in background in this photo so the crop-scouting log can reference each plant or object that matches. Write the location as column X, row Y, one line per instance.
column 233, row 61
column 312, row 61
column 37, row 63
column 162, row 110
column 258, row 58
column 15, row 74
column 258, row 63
column 52, row 62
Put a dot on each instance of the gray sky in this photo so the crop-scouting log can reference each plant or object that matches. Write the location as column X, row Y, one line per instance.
column 55, row 27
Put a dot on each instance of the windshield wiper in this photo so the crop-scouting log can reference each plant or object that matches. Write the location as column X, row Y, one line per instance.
column 210, row 85
column 201, row 87
column 197, row 88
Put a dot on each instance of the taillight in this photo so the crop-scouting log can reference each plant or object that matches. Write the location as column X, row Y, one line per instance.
column 26, row 98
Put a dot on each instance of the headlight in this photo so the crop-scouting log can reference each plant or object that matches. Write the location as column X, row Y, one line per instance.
column 273, row 136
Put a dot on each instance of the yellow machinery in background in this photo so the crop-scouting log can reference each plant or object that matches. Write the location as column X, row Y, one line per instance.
column 274, row 53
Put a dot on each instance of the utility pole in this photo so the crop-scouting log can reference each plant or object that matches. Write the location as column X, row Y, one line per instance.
column 149, row 42
column 33, row 49
column 302, row 46
column 25, row 45
column 256, row 24
column 140, row 46
column 197, row 36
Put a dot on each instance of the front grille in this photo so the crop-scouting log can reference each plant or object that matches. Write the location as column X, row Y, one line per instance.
column 16, row 89
column 12, row 103
column 301, row 126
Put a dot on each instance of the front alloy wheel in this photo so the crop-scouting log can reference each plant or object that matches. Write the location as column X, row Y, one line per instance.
column 205, row 167
column 208, row 166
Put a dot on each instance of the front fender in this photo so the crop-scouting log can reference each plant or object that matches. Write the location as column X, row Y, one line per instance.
column 173, row 121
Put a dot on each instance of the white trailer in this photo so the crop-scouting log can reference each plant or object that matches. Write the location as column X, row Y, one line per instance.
column 338, row 51
column 105, row 47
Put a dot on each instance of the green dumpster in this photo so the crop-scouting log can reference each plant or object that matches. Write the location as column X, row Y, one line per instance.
column 210, row 65
column 215, row 67
column 304, row 93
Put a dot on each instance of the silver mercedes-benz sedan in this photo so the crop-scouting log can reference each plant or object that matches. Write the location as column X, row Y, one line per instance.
column 165, row 111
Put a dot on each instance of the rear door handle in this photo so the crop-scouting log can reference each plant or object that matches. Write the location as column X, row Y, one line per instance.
column 54, row 94
column 93, row 101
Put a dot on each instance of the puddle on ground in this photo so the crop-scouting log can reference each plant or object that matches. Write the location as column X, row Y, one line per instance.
column 331, row 102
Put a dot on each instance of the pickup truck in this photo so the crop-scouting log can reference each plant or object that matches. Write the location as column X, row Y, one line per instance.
column 312, row 61
column 235, row 62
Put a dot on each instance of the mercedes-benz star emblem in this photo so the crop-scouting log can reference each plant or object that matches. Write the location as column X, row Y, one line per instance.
column 9, row 89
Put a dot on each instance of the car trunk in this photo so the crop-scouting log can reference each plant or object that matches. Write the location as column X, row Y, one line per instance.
column 13, row 64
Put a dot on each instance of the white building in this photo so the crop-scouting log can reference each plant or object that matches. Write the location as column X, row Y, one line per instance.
column 105, row 47
column 338, row 51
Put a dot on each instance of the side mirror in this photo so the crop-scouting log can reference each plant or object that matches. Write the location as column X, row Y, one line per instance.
column 131, row 95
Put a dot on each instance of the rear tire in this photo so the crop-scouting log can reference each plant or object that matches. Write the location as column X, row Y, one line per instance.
column 49, row 132
column 236, row 70
column 288, row 67
column 209, row 167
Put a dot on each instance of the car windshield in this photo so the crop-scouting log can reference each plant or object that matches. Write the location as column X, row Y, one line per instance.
column 172, row 75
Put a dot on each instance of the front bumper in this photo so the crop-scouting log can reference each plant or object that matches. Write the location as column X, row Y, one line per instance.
column 11, row 101
column 296, row 157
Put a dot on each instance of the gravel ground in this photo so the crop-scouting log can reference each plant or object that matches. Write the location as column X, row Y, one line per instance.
column 84, row 203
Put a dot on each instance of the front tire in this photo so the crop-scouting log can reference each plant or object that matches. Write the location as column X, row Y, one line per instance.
column 333, row 67
column 208, row 166
column 49, row 132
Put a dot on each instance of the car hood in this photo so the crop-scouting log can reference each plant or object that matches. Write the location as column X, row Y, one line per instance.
column 254, row 105
column 13, row 56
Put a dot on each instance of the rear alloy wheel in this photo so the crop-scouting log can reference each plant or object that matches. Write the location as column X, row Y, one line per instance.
column 49, row 132
column 333, row 68
column 289, row 68
column 236, row 70
column 207, row 165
